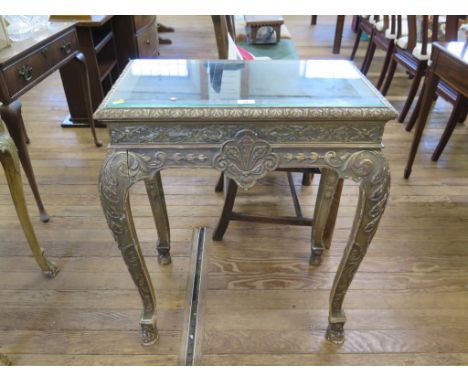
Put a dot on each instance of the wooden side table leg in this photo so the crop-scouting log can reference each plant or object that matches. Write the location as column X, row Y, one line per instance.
column 325, row 195
column 229, row 199
column 115, row 182
column 338, row 34
column 373, row 195
column 11, row 115
column 155, row 191
column 83, row 69
column 220, row 184
column 430, row 87
column 10, row 163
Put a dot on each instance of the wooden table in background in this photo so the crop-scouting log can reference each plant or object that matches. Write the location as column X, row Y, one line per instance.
column 26, row 63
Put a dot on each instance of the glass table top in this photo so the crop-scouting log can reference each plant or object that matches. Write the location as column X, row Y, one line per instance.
column 161, row 83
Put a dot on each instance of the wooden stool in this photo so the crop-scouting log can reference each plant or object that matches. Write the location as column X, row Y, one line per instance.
column 10, row 163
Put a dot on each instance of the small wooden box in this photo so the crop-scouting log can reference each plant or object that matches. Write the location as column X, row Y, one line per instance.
column 263, row 29
column 4, row 39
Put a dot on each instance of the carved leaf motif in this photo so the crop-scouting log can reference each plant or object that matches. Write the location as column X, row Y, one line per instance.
column 246, row 158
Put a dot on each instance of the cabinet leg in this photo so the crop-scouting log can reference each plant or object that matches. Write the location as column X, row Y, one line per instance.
column 83, row 68
column 11, row 115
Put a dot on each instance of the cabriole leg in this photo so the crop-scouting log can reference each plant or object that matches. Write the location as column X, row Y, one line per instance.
column 155, row 192
column 10, row 162
column 372, row 171
column 114, row 185
column 325, row 195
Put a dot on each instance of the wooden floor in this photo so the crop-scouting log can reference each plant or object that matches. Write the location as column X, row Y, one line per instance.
column 260, row 301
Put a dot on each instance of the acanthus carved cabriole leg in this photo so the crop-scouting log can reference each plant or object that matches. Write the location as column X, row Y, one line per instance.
column 10, row 162
column 155, row 192
column 326, row 192
column 371, row 170
column 119, row 172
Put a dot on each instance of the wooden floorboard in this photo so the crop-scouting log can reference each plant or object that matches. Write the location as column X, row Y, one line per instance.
column 262, row 304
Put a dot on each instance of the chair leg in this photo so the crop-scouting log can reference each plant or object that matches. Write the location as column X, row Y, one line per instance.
column 463, row 115
column 416, row 111
column 389, row 79
column 230, row 197
column 458, row 109
column 369, row 57
column 307, row 178
column 412, row 93
column 388, row 58
column 220, row 184
column 356, row 44
column 338, row 34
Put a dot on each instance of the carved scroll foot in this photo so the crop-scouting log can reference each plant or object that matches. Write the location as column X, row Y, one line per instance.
column 164, row 256
column 149, row 331
column 52, row 270
column 316, row 256
column 335, row 333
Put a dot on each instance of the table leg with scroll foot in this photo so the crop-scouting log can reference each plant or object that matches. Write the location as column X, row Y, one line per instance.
column 10, row 162
column 370, row 169
column 11, row 115
column 155, row 192
column 323, row 205
column 118, row 174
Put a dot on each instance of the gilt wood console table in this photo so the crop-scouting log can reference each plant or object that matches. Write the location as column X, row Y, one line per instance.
column 246, row 119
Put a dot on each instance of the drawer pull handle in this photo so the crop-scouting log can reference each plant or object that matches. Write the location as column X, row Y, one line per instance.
column 66, row 47
column 26, row 72
column 147, row 42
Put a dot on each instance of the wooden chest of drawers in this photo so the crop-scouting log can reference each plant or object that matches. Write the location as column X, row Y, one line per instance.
column 23, row 71
column 136, row 36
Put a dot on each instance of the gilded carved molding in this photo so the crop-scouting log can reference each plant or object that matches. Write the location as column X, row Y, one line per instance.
column 244, row 114
column 283, row 133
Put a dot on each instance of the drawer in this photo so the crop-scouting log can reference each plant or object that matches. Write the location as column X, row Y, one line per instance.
column 148, row 43
column 143, row 21
column 30, row 69
column 62, row 48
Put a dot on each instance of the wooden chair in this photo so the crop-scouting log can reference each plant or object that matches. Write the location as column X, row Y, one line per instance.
column 10, row 163
column 224, row 31
column 386, row 31
column 413, row 53
column 365, row 24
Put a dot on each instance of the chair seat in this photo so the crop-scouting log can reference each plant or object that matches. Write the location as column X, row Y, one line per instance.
column 283, row 50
